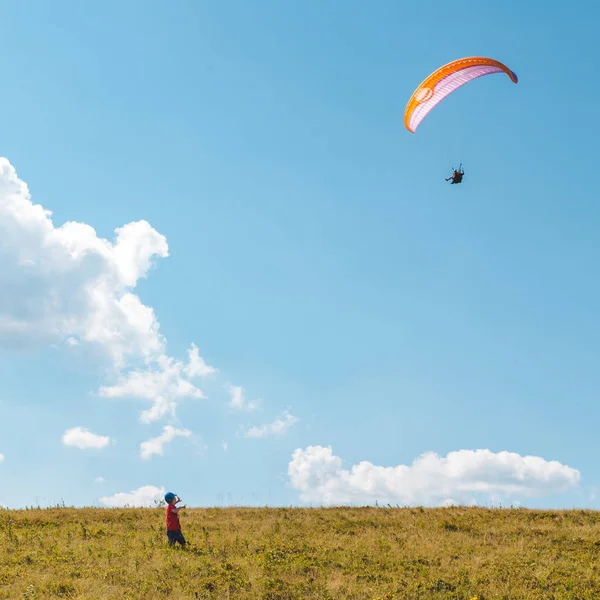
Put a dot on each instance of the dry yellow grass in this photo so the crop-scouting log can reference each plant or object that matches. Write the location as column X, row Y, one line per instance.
column 303, row 554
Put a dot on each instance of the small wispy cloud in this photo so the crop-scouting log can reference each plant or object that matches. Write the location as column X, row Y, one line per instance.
column 196, row 366
column 278, row 427
column 99, row 480
column 156, row 445
column 238, row 400
column 82, row 438
column 163, row 386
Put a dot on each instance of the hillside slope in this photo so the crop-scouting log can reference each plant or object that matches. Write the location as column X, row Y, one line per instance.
column 303, row 554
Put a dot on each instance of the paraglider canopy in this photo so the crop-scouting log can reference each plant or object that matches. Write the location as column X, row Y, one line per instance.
column 447, row 79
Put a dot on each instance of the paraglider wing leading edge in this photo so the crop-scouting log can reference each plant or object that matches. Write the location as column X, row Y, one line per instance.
column 447, row 79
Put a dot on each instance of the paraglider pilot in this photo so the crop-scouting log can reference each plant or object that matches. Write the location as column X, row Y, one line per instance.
column 457, row 176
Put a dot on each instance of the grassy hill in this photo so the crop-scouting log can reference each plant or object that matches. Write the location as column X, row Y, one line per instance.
column 303, row 554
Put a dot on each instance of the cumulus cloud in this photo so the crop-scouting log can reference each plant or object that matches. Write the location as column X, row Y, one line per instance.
column 145, row 496
column 71, row 288
column 278, row 427
column 460, row 477
column 67, row 282
column 80, row 437
column 238, row 400
column 156, row 445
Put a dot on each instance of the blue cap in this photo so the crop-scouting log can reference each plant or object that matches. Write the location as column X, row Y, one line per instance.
column 169, row 496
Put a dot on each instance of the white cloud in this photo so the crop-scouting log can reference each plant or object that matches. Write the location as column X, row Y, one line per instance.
column 277, row 427
column 1, row 458
column 99, row 480
column 431, row 480
column 69, row 283
column 225, row 446
column 196, row 366
column 162, row 385
column 82, row 438
column 155, row 445
column 145, row 496
column 238, row 401
column 71, row 288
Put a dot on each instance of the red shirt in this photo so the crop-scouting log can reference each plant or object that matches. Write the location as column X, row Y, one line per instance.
column 172, row 519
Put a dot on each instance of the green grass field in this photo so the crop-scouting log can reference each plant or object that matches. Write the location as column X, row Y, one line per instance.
column 303, row 554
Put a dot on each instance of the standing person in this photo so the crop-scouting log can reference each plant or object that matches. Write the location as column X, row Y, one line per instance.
column 172, row 517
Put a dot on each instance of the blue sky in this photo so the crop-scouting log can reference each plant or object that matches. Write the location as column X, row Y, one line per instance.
column 316, row 257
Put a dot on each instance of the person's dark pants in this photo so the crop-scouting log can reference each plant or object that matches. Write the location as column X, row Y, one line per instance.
column 175, row 537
